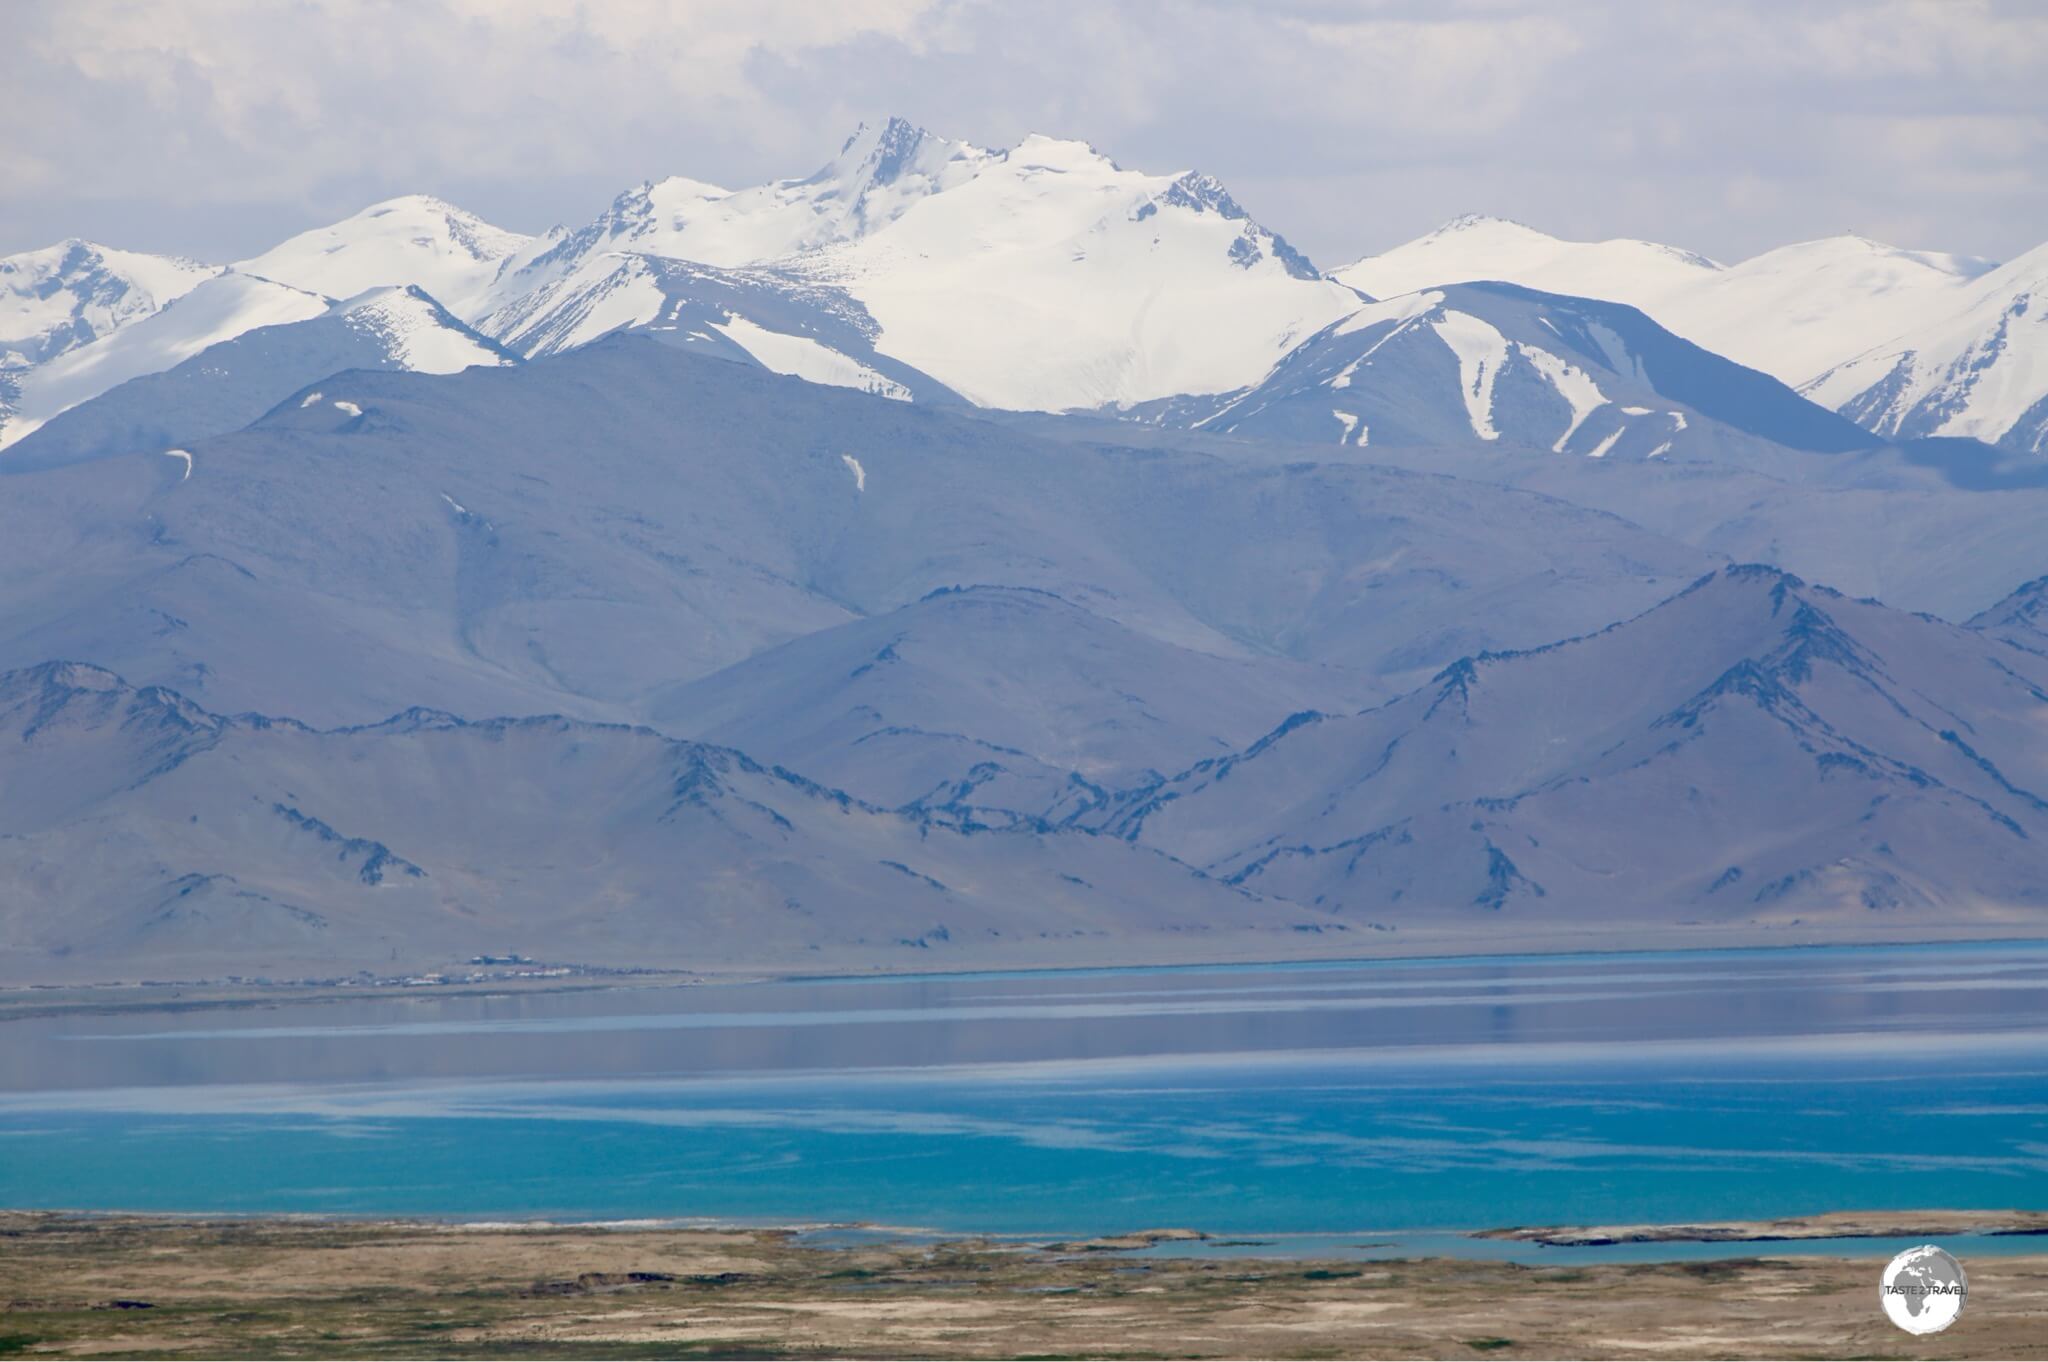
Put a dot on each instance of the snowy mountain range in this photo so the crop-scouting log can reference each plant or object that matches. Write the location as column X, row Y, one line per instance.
column 1964, row 349
column 415, row 241
column 1045, row 277
column 73, row 293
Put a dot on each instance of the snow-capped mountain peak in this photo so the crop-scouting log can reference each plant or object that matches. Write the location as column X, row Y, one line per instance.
column 60, row 297
column 1052, row 278
column 1200, row 193
column 881, row 171
column 1979, row 369
column 892, row 153
column 261, row 342
column 414, row 239
column 1476, row 247
column 878, row 173
column 1045, row 276
column 1794, row 312
column 1468, row 226
column 220, row 308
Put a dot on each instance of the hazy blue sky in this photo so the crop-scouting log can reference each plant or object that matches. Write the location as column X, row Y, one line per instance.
column 215, row 127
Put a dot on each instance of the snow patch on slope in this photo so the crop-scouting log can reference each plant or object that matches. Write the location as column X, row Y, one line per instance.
column 417, row 332
column 1481, row 352
column 804, row 358
column 1573, row 384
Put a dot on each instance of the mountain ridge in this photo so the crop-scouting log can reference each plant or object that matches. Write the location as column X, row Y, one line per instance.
column 256, row 845
column 1753, row 717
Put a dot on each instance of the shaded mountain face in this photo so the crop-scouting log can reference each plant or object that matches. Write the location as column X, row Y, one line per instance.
column 151, row 838
column 1756, row 750
column 1499, row 363
column 989, row 705
column 231, row 383
column 2021, row 619
column 582, row 533
column 1917, row 535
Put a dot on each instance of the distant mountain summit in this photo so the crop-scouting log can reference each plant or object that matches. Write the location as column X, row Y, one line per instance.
column 1054, row 279
column 1046, row 277
column 73, row 293
column 1980, row 370
column 221, row 307
column 415, row 240
column 1042, row 277
column 878, row 174
column 1907, row 344
column 1793, row 312
column 123, row 324
column 232, row 382
column 1476, row 247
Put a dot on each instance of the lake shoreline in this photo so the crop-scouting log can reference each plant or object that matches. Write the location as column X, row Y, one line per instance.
column 1792, row 1229
column 1849, row 1232
column 318, row 1287
column 35, row 999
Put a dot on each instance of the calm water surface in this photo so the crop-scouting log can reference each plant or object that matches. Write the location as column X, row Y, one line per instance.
column 1348, row 1107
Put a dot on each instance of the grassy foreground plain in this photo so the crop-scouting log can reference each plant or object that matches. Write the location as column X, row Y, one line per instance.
column 117, row 1286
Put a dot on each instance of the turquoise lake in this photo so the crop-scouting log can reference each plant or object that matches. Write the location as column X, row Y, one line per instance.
column 1362, row 1106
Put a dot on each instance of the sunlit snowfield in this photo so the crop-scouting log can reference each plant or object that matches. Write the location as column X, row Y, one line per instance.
column 1347, row 1103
